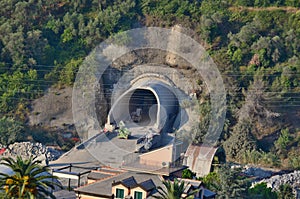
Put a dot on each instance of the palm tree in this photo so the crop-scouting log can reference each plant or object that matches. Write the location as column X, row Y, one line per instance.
column 174, row 190
column 29, row 179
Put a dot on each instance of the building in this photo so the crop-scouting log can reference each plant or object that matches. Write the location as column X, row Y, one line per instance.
column 151, row 107
column 123, row 185
column 152, row 153
column 133, row 185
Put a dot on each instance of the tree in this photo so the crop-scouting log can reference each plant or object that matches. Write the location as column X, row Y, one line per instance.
column 254, row 110
column 294, row 3
column 261, row 191
column 240, row 141
column 212, row 181
column 199, row 130
column 35, row 45
column 231, row 183
column 227, row 182
column 283, row 141
column 68, row 74
column 245, row 3
column 174, row 190
column 10, row 130
column 261, row 3
column 294, row 160
column 285, row 192
column 29, row 179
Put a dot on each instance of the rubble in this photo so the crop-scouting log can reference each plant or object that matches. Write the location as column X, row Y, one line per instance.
column 29, row 149
column 257, row 172
column 275, row 181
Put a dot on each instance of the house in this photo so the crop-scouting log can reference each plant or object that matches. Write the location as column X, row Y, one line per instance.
column 134, row 185
column 130, row 188
column 192, row 185
column 124, row 185
column 96, row 176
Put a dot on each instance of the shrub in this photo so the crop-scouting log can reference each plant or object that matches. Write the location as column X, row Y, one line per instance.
column 261, row 191
column 186, row 173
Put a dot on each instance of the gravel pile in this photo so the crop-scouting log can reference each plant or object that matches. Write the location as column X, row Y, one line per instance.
column 27, row 149
column 257, row 172
column 274, row 182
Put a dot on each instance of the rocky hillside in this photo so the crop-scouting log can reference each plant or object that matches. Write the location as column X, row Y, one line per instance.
column 255, row 45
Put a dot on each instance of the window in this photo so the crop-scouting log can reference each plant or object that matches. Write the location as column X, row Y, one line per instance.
column 138, row 195
column 120, row 193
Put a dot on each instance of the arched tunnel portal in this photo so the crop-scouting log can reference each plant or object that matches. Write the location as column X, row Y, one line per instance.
column 154, row 101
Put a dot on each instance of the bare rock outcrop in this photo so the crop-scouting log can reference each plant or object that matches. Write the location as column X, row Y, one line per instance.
column 54, row 109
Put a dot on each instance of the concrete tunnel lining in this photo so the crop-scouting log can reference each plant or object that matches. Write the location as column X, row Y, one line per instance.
column 166, row 102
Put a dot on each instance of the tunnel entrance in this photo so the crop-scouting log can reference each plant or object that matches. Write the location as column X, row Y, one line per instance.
column 143, row 102
column 151, row 104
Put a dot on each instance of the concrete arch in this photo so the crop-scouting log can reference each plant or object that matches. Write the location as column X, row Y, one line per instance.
column 167, row 105
column 162, row 78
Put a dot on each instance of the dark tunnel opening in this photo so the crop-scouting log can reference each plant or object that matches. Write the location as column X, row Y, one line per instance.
column 144, row 103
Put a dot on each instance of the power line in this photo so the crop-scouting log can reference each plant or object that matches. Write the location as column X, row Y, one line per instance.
column 51, row 67
column 169, row 98
column 224, row 75
column 288, row 95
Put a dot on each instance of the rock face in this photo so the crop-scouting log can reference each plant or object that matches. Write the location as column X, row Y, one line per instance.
column 52, row 110
column 28, row 149
column 274, row 182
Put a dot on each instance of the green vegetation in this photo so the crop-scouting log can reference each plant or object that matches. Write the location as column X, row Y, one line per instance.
column 227, row 182
column 123, row 132
column 188, row 174
column 240, row 141
column 294, row 160
column 285, row 192
column 10, row 131
column 211, row 180
column 255, row 44
column 231, row 183
column 261, row 191
column 174, row 190
column 28, row 180
column 259, row 157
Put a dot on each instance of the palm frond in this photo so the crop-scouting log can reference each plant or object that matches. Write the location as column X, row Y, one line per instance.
column 28, row 180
